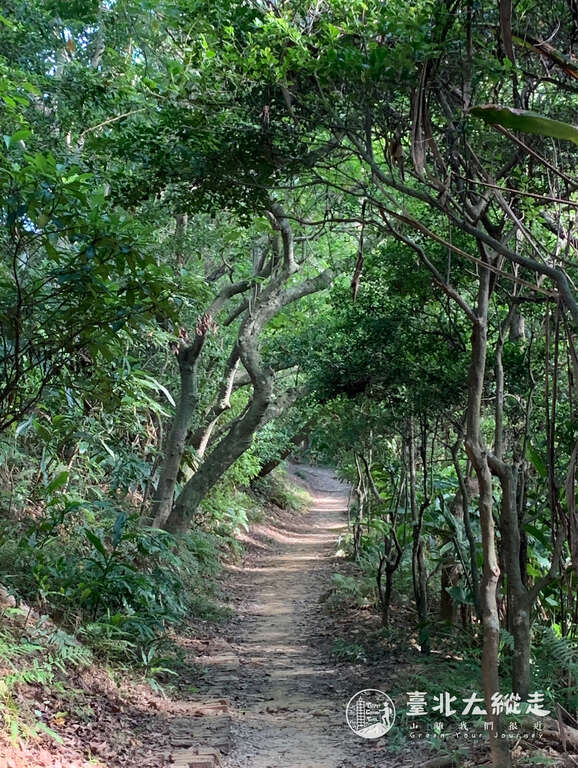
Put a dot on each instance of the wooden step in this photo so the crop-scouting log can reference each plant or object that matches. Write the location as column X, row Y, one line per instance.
column 196, row 758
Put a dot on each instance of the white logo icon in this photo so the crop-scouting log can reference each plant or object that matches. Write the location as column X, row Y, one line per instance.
column 370, row 713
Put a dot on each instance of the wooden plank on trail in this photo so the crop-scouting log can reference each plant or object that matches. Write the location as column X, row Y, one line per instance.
column 197, row 758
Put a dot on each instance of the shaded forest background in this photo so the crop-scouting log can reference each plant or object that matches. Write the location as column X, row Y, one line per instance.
column 233, row 229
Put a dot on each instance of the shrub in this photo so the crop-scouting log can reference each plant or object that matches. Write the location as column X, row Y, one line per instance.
column 121, row 582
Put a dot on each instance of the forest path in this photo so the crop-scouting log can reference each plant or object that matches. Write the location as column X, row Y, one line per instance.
column 290, row 699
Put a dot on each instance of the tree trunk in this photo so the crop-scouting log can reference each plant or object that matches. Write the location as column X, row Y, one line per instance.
column 228, row 450
column 490, row 618
column 387, row 596
column 491, row 572
column 472, row 543
column 188, row 356
column 181, row 222
column 200, row 439
column 387, row 564
column 361, row 494
column 176, row 439
column 452, row 569
column 266, row 303
column 418, row 556
column 521, row 633
column 519, row 607
column 448, row 606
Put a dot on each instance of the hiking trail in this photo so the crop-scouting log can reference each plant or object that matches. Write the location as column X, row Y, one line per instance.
column 290, row 698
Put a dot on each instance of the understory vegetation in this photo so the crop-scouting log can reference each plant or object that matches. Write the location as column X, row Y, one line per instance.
column 232, row 232
column 89, row 588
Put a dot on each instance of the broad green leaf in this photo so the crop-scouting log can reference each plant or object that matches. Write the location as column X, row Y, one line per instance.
column 537, row 460
column 118, row 528
column 58, row 482
column 106, row 448
column 20, row 135
column 96, row 542
column 152, row 383
column 7, row 22
column 460, row 595
column 543, row 535
column 525, row 121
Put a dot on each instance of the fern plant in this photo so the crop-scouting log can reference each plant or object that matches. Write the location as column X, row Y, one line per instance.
column 37, row 658
column 555, row 666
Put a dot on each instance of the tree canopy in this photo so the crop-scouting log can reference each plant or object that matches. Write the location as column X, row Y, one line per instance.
column 230, row 229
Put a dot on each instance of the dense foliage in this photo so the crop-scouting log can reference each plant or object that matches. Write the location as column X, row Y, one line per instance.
column 229, row 229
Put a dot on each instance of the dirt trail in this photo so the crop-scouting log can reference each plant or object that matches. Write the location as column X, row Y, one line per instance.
column 290, row 699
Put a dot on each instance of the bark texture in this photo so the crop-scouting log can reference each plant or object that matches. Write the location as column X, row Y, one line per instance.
column 418, row 554
column 264, row 304
column 477, row 453
column 189, row 354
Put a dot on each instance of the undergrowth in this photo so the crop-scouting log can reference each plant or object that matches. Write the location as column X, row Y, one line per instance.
column 109, row 589
column 39, row 655
column 455, row 661
column 278, row 489
column 114, row 583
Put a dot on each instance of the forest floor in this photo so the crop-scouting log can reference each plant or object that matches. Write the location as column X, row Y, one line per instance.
column 263, row 689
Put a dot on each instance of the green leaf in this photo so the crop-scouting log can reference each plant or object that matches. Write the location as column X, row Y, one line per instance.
column 381, row 526
column 20, row 135
column 152, row 383
column 96, row 542
column 43, row 728
column 58, row 482
column 106, row 448
column 118, row 528
column 7, row 22
column 525, row 121
column 543, row 535
column 460, row 595
column 537, row 460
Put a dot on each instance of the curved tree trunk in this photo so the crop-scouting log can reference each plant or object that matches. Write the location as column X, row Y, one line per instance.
column 174, row 448
column 175, row 443
column 229, row 449
column 491, row 572
column 239, row 436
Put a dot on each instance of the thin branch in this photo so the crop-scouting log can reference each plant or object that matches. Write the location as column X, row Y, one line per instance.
column 446, row 287
column 111, row 120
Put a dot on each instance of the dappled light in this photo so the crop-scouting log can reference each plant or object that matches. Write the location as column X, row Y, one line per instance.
column 288, row 383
